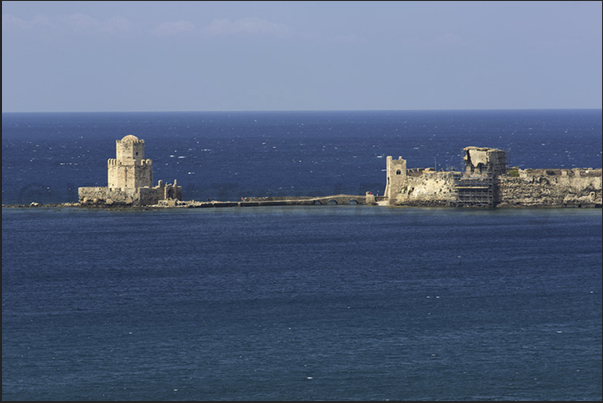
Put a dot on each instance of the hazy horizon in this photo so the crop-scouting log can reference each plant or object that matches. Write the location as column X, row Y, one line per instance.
column 300, row 56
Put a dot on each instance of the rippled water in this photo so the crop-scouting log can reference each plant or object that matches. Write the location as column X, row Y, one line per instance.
column 226, row 156
column 295, row 303
column 338, row 302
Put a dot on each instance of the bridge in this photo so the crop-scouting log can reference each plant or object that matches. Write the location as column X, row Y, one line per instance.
column 306, row 200
column 340, row 199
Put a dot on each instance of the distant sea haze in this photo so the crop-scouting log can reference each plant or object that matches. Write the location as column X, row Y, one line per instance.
column 296, row 302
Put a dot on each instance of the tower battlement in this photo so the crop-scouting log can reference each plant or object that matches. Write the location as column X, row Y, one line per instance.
column 114, row 161
column 129, row 170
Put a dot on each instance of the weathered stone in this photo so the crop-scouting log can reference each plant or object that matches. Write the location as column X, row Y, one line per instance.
column 486, row 182
column 130, row 178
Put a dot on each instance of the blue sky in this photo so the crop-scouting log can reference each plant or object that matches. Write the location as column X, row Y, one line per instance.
column 262, row 56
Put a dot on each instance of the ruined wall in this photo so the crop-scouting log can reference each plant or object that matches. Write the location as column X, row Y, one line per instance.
column 482, row 160
column 150, row 196
column 105, row 195
column 487, row 182
column 170, row 191
column 129, row 196
column 550, row 188
column 145, row 196
column 426, row 188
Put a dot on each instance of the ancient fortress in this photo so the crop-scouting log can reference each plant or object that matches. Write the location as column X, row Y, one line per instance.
column 130, row 179
column 487, row 182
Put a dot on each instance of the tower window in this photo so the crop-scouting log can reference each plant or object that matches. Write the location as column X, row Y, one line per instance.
column 398, row 172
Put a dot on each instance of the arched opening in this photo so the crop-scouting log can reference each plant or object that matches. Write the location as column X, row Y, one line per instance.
column 353, row 202
column 332, row 202
column 398, row 172
column 317, row 202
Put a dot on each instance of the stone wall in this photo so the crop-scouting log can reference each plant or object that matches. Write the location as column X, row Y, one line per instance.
column 481, row 160
column 520, row 188
column 395, row 176
column 145, row 196
column 550, row 188
column 129, row 169
column 429, row 188
column 130, row 179
column 129, row 148
column 108, row 196
column 129, row 174
column 487, row 182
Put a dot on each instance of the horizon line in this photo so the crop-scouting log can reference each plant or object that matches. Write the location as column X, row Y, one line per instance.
column 312, row 110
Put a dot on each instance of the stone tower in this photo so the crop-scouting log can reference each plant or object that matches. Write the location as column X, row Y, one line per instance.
column 129, row 170
column 396, row 176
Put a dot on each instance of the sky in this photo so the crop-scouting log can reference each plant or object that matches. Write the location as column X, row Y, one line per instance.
column 87, row 56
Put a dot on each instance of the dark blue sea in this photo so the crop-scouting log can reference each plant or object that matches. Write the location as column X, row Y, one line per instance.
column 296, row 302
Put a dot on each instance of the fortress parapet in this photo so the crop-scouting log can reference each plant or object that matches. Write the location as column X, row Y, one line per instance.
column 130, row 179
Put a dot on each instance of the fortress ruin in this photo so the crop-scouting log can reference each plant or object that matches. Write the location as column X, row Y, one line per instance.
column 485, row 181
column 130, row 179
column 488, row 182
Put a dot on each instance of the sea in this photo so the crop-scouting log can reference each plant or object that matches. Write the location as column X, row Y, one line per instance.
column 332, row 302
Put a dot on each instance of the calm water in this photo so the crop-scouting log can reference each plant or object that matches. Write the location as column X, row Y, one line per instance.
column 296, row 303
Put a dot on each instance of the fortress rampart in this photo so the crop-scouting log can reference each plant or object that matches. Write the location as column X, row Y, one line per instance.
column 145, row 196
column 550, row 187
column 426, row 188
column 487, row 182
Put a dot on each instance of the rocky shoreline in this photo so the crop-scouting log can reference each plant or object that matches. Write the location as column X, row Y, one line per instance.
column 303, row 201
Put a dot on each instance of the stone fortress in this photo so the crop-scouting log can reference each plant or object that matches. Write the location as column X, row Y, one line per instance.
column 485, row 182
column 130, row 180
column 488, row 182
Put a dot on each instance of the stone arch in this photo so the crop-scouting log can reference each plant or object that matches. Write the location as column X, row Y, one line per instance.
column 353, row 202
column 332, row 201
